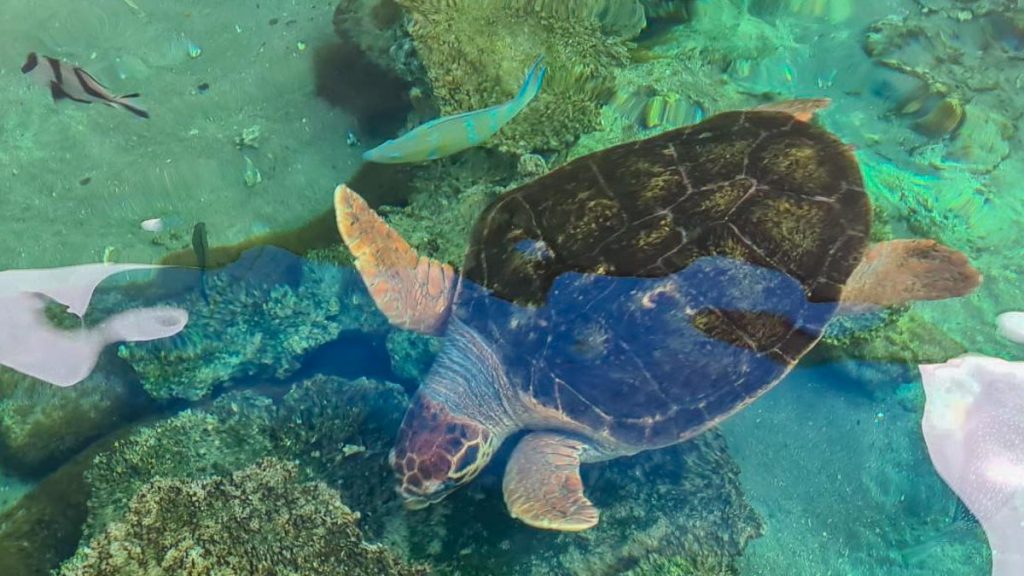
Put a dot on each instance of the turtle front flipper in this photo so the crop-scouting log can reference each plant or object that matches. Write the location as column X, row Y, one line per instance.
column 414, row 292
column 902, row 271
column 542, row 484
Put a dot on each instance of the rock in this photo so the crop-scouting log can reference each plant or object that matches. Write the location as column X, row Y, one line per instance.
column 42, row 426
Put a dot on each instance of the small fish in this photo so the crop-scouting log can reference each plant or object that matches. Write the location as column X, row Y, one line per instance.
column 194, row 50
column 446, row 136
column 67, row 81
column 200, row 245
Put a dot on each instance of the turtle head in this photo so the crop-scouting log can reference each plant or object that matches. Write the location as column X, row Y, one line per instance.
column 438, row 451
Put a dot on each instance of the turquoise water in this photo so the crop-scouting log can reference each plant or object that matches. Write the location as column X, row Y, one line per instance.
column 233, row 410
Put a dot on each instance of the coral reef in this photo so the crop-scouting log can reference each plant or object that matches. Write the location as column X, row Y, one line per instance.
column 341, row 431
column 444, row 233
column 475, row 53
column 684, row 565
column 412, row 354
column 254, row 326
column 682, row 500
column 686, row 497
column 260, row 520
column 41, row 425
column 230, row 434
column 893, row 336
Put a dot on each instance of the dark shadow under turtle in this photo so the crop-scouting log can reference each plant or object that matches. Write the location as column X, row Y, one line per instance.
column 632, row 299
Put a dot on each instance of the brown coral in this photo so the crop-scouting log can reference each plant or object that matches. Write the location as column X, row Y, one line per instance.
column 258, row 521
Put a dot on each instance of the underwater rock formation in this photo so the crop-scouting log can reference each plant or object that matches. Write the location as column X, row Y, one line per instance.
column 42, row 426
column 376, row 28
column 833, row 11
column 260, row 520
column 264, row 312
column 966, row 62
column 675, row 79
column 45, row 525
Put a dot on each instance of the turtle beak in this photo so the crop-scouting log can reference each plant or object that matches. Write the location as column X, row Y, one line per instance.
column 414, row 499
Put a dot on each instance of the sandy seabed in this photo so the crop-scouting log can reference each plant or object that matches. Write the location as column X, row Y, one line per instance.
column 76, row 180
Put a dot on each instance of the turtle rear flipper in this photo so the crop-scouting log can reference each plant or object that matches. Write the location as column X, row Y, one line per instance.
column 414, row 292
column 542, row 484
column 902, row 271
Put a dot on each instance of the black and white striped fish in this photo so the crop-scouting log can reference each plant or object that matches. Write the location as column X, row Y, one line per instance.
column 73, row 83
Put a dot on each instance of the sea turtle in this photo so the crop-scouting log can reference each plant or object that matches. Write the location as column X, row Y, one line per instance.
column 631, row 299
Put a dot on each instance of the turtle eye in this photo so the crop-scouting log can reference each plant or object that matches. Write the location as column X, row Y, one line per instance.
column 537, row 250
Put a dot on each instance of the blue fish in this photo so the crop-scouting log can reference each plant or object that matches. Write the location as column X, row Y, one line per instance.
column 446, row 136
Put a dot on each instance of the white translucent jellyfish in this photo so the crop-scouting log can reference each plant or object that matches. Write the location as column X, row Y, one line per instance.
column 974, row 428
column 32, row 345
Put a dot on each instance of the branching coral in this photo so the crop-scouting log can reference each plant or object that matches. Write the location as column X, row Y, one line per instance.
column 250, row 327
column 259, row 520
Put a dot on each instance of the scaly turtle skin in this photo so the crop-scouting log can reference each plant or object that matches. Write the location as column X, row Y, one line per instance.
column 631, row 299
